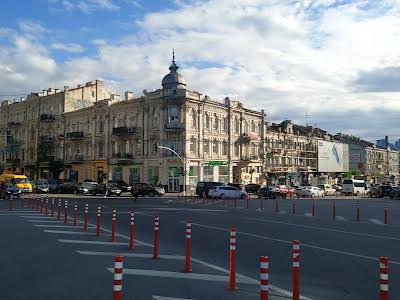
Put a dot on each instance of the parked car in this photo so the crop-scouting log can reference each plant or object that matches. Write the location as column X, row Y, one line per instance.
column 287, row 190
column 271, row 192
column 239, row 186
column 11, row 189
column 337, row 187
column 145, row 189
column 395, row 193
column 41, row 186
column 92, row 188
column 226, row 191
column 53, row 185
column 328, row 189
column 121, row 184
column 20, row 181
column 311, row 191
column 386, row 190
column 204, row 186
column 68, row 187
column 375, row 191
column 113, row 189
column 252, row 188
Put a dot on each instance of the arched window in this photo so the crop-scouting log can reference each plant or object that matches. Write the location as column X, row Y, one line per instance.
column 216, row 122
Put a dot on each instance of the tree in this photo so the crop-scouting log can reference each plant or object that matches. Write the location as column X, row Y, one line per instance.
column 351, row 173
column 56, row 167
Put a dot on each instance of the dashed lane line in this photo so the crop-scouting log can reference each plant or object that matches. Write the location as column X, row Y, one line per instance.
column 60, row 226
column 376, row 221
column 84, row 242
column 290, row 242
column 69, row 232
column 129, row 254
column 326, row 229
column 169, row 298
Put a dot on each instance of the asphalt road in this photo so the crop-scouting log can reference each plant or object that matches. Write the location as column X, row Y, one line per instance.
column 43, row 258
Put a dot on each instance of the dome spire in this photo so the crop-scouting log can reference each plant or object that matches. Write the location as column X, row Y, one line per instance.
column 173, row 80
column 173, row 55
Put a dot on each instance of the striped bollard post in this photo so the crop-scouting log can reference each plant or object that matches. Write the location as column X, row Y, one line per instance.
column 66, row 211
column 22, row 202
column 264, row 280
column 188, row 267
column 118, row 270
column 155, row 246
column 11, row 198
column 294, row 207
column 385, row 214
column 235, row 199
column 41, row 205
column 313, row 209
column 29, row 202
column 296, row 269
column 358, row 211
column 52, row 207
column 85, row 218
column 232, row 259
column 98, row 221
column 383, row 278
column 46, row 207
column 334, row 210
column 276, row 206
column 75, row 213
column 114, row 219
column 131, row 231
column 59, row 209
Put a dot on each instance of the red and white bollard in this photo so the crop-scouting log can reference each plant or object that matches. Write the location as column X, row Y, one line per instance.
column 296, row 269
column 41, row 205
column 52, row 207
column 232, row 259
column 113, row 221
column 276, row 206
column 29, row 202
column 118, row 270
column 385, row 214
column 47, row 206
column 85, row 220
column 264, row 280
column 188, row 267
column 313, row 209
column 383, row 278
column 66, row 211
column 98, row 221
column 75, row 213
column 131, row 230
column 334, row 210
column 156, row 225
column 358, row 211
column 22, row 202
column 294, row 207
column 11, row 200
column 59, row 209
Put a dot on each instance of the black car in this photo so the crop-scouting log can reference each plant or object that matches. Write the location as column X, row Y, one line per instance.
column 13, row 190
column 68, row 187
column 386, row 190
column 205, row 186
column 239, row 186
column 121, row 184
column 252, row 188
column 92, row 188
column 113, row 189
column 395, row 193
column 145, row 189
column 54, row 185
column 271, row 192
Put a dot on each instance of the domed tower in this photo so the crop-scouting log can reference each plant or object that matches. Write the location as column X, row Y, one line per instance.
column 173, row 80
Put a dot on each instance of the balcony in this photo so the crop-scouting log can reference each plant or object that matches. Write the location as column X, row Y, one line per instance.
column 76, row 135
column 13, row 124
column 77, row 158
column 47, row 118
column 48, row 158
column 121, row 131
column 121, row 159
column 122, row 156
column 174, row 126
column 13, row 160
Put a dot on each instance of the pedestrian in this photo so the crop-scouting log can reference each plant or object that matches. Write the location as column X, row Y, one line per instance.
column 135, row 192
column 105, row 188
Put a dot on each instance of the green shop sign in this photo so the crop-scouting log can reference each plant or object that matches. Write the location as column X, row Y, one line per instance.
column 216, row 163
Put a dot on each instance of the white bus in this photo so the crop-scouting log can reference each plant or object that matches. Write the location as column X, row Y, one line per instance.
column 354, row 187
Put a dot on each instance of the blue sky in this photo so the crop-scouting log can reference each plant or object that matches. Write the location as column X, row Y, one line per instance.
column 336, row 60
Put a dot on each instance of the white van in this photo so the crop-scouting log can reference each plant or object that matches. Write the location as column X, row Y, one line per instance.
column 354, row 187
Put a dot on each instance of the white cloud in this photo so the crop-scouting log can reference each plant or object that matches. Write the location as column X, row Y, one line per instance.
column 285, row 56
column 69, row 47
column 86, row 6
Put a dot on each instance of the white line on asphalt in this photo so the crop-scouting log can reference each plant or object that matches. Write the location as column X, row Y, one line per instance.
column 282, row 212
column 59, row 226
column 129, row 254
column 169, row 298
column 36, row 217
column 326, row 229
column 213, row 203
column 69, row 232
column 376, row 221
column 169, row 201
column 340, row 218
column 308, row 215
column 290, row 242
column 41, row 221
column 94, row 242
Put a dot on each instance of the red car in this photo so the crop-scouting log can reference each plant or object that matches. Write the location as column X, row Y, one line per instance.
column 287, row 190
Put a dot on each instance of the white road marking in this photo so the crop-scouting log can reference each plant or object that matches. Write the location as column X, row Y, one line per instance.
column 213, row 203
column 59, row 226
column 41, row 221
column 69, row 232
column 169, row 201
column 308, row 215
column 282, row 212
column 290, row 242
column 92, row 242
column 376, row 221
column 129, row 254
column 326, row 229
column 169, row 298
column 340, row 218
column 36, row 217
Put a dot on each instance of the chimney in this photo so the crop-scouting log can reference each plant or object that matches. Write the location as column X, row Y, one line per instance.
column 128, row 95
column 50, row 91
column 66, row 88
column 79, row 85
column 44, row 93
column 56, row 91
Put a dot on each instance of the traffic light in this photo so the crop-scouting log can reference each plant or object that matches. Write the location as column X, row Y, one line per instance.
column 181, row 171
column 155, row 147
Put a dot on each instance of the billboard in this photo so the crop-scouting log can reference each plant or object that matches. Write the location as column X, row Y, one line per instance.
column 330, row 157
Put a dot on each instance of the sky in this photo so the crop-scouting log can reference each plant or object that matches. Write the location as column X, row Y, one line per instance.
column 335, row 61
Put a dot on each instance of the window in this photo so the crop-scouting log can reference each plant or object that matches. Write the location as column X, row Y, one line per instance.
column 253, row 127
column 101, row 129
column 236, row 125
column 192, row 118
column 174, row 114
column 114, row 122
column 101, row 149
column 206, row 146
column 236, row 145
column 93, row 94
column 127, row 147
column 216, row 122
column 207, row 121
column 192, row 145
column 245, row 127
column 224, row 124
column 139, row 147
column 215, row 147
column 224, row 148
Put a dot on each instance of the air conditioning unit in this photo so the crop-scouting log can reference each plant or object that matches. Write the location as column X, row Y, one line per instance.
column 131, row 130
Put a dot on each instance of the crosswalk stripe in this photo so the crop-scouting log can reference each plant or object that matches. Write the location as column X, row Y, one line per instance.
column 58, row 226
column 169, row 298
column 128, row 254
column 94, row 242
column 69, row 232
column 376, row 221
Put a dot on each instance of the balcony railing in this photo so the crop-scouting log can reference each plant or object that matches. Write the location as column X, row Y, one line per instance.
column 47, row 118
column 123, row 130
column 76, row 135
column 122, row 156
column 174, row 126
column 13, row 160
column 14, row 124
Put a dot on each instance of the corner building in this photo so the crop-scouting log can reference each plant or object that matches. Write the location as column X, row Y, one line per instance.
column 218, row 141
